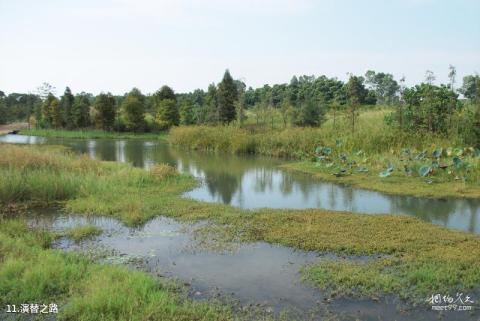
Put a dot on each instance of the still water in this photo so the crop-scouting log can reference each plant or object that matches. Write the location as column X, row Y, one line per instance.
column 255, row 182
column 257, row 276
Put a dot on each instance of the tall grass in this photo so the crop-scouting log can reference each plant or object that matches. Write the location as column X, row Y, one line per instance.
column 371, row 135
column 83, row 290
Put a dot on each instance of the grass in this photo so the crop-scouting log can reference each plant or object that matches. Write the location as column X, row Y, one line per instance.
column 83, row 290
column 416, row 258
column 79, row 233
column 300, row 143
column 90, row 134
column 366, row 153
column 398, row 183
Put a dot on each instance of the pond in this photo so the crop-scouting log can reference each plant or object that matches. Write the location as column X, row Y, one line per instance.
column 255, row 278
column 256, row 182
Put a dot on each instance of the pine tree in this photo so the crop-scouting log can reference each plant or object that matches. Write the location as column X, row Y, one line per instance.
column 227, row 95
column 66, row 105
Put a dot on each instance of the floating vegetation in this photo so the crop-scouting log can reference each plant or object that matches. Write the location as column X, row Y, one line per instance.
column 437, row 152
column 414, row 163
column 387, row 172
column 424, row 170
column 341, row 172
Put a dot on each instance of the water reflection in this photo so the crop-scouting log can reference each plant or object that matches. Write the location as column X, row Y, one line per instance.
column 255, row 182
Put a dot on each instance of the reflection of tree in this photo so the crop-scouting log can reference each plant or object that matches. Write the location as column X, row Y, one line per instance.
column 286, row 185
column 348, row 193
column 161, row 153
column 222, row 184
column 426, row 209
column 263, row 179
column 134, row 153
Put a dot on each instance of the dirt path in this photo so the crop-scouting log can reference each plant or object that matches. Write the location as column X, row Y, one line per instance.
column 5, row 129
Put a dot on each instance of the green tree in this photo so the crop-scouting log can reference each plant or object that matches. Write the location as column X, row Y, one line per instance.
column 470, row 87
column 81, row 111
column 47, row 112
column 356, row 95
column 56, row 113
column 133, row 111
column 3, row 111
column 187, row 113
column 310, row 114
column 383, row 85
column 227, row 95
column 104, row 111
column 66, row 105
column 165, row 93
column 211, row 105
column 167, row 114
column 427, row 108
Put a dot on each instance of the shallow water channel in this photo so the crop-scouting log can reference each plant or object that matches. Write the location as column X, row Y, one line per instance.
column 254, row 182
column 256, row 278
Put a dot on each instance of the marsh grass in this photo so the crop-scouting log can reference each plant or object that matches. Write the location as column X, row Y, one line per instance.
column 84, row 290
column 161, row 171
column 372, row 136
column 79, row 233
column 90, row 134
column 421, row 258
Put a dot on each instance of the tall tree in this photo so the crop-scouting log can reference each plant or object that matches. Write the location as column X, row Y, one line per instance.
column 81, row 111
column 3, row 111
column 104, row 111
column 66, row 104
column 452, row 74
column 227, row 95
column 384, row 86
column 133, row 111
column 47, row 113
column 56, row 113
column 165, row 93
column 356, row 95
column 167, row 114
column 470, row 87
column 187, row 114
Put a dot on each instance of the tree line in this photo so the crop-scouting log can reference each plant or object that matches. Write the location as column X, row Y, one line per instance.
column 303, row 101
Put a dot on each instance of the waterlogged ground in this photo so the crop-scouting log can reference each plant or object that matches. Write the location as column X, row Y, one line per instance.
column 258, row 277
column 255, row 182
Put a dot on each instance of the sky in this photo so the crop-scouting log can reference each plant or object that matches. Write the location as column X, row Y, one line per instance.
column 115, row 45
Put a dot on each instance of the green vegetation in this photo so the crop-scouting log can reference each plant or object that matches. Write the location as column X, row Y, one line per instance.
column 83, row 232
column 83, row 290
column 303, row 102
column 352, row 159
column 91, row 134
column 412, row 258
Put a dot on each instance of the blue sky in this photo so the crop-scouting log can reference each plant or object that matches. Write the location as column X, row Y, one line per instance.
column 114, row 45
